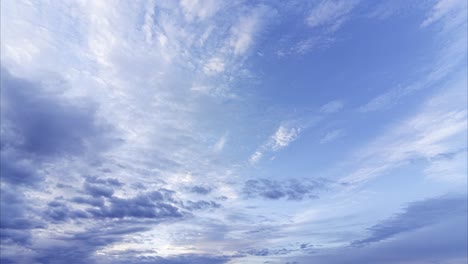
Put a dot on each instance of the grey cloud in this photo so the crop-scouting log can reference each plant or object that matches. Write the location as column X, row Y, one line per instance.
column 292, row 189
column 18, row 170
column 179, row 259
column 107, row 181
column 93, row 201
column 443, row 242
column 38, row 122
column 200, row 205
column 98, row 190
column 148, row 205
column 200, row 190
column 80, row 247
column 417, row 215
column 15, row 218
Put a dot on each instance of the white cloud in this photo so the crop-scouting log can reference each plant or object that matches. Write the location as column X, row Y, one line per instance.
column 135, row 61
column 332, row 107
column 332, row 135
column 219, row 146
column 284, row 136
column 248, row 27
column 330, row 13
column 255, row 157
column 444, row 8
column 438, row 128
column 200, row 9
column 385, row 100
column 452, row 169
column 214, row 66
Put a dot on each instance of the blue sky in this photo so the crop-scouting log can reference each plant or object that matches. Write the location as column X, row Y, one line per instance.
column 325, row 131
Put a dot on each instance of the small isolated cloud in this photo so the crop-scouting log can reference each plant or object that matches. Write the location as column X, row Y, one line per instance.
column 284, row 136
column 255, row 157
column 332, row 135
column 332, row 107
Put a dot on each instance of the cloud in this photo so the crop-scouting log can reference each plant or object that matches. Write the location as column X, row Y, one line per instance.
column 255, row 157
column 451, row 17
column 436, row 128
column 290, row 189
column 219, row 146
column 50, row 125
column 385, row 100
column 330, row 14
column 284, row 135
column 332, row 107
column 417, row 215
column 201, row 205
column 443, row 8
column 426, row 231
column 201, row 190
column 147, row 205
column 214, row 66
column 332, row 135
column 246, row 29
column 200, row 9
column 450, row 168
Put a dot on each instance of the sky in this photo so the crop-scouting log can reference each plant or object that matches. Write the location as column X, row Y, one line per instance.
column 206, row 131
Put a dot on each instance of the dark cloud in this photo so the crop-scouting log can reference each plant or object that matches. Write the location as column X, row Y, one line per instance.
column 200, row 190
column 148, row 205
column 93, row 201
column 58, row 211
column 292, row 189
column 200, row 205
column 415, row 216
column 428, row 231
column 42, row 123
column 39, row 124
column 266, row 252
column 16, row 218
column 79, row 248
column 107, row 181
column 98, row 190
column 18, row 170
column 179, row 259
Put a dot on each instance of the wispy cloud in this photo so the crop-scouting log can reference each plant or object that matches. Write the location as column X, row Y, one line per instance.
column 332, row 107
column 284, row 135
column 332, row 135
column 436, row 129
column 444, row 8
column 330, row 14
